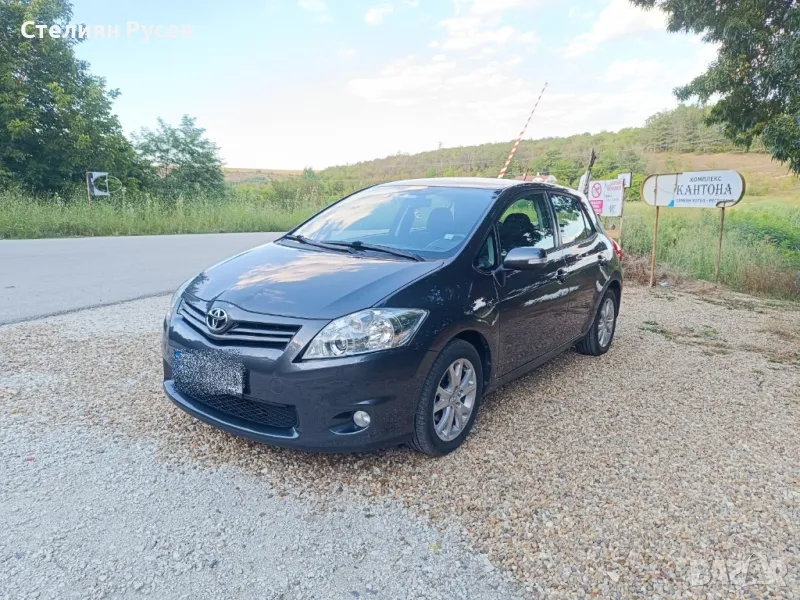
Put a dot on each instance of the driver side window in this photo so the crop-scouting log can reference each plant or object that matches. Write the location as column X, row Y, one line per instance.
column 527, row 223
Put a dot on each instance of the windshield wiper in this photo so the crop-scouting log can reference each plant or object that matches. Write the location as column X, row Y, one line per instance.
column 304, row 240
column 359, row 245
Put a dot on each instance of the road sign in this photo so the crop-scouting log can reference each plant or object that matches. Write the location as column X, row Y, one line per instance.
column 605, row 196
column 91, row 182
column 697, row 189
column 626, row 179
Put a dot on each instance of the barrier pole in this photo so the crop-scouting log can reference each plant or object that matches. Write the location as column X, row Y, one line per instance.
column 521, row 133
column 719, row 246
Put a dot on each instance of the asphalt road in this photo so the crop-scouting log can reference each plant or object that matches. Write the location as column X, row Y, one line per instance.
column 45, row 277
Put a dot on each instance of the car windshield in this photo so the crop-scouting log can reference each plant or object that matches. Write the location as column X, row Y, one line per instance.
column 430, row 221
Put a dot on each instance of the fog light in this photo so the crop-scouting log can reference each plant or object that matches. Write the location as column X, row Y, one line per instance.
column 361, row 419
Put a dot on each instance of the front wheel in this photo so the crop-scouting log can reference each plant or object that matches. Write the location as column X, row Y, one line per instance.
column 449, row 401
column 601, row 334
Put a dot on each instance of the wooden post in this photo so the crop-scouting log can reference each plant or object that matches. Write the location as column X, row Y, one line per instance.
column 719, row 246
column 88, row 190
column 655, row 237
column 653, row 257
column 622, row 216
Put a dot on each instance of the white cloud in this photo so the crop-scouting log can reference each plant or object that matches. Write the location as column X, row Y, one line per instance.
column 348, row 52
column 465, row 33
column 619, row 19
column 376, row 14
column 413, row 3
column 485, row 7
column 636, row 68
column 312, row 5
column 405, row 81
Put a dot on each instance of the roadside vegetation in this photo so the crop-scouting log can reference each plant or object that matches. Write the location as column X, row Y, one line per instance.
column 57, row 123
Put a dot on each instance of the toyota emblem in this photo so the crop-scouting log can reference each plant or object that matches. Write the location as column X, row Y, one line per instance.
column 216, row 319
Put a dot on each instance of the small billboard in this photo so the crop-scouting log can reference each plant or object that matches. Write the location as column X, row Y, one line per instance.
column 91, row 181
column 695, row 189
column 605, row 196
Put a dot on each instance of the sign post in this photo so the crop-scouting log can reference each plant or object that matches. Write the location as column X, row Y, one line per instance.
column 719, row 247
column 626, row 183
column 699, row 189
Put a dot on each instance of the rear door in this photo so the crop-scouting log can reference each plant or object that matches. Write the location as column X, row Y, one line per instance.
column 532, row 304
column 583, row 250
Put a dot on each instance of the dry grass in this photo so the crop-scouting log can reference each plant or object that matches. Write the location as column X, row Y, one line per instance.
column 637, row 268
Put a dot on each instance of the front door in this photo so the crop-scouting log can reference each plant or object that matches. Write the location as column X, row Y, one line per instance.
column 532, row 303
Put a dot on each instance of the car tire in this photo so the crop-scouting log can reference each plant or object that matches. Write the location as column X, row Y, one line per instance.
column 425, row 437
column 601, row 334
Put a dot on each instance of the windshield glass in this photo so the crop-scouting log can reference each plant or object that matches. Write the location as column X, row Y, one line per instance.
column 433, row 222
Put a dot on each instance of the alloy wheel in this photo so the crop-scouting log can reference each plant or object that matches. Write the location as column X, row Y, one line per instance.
column 605, row 323
column 455, row 400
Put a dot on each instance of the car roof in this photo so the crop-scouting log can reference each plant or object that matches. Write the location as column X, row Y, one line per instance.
column 486, row 183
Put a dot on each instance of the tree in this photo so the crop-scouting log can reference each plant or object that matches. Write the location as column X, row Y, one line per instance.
column 757, row 70
column 184, row 159
column 56, row 119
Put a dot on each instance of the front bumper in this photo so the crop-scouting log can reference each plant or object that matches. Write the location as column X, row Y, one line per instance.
column 309, row 404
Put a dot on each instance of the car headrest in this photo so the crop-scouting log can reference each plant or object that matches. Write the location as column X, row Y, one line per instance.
column 518, row 221
column 440, row 221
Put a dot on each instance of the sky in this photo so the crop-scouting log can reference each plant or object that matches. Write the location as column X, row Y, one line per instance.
column 288, row 84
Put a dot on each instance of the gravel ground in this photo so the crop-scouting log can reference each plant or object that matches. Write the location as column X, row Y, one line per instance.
column 670, row 467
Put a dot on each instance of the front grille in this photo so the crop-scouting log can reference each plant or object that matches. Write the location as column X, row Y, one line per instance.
column 271, row 415
column 269, row 335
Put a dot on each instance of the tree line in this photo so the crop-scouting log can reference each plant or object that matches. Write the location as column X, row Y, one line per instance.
column 57, row 122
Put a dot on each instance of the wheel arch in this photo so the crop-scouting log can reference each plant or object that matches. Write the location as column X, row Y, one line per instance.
column 616, row 286
column 484, row 350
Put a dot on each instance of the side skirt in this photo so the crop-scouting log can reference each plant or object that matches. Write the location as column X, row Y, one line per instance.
column 530, row 366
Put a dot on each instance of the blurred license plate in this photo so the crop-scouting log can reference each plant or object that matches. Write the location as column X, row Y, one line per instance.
column 208, row 373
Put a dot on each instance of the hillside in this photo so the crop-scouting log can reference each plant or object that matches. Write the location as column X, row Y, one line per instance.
column 668, row 141
column 233, row 175
column 679, row 131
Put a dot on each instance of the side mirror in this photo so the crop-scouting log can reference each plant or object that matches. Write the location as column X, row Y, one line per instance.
column 525, row 259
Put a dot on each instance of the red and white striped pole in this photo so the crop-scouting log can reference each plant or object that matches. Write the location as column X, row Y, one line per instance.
column 521, row 133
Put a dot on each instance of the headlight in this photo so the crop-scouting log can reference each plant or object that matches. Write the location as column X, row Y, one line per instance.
column 176, row 298
column 366, row 331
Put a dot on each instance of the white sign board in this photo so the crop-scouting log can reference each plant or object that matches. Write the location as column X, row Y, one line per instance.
column 606, row 197
column 92, row 177
column 626, row 179
column 698, row 189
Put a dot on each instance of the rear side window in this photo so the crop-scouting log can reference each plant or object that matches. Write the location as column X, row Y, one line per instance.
column 573, row 221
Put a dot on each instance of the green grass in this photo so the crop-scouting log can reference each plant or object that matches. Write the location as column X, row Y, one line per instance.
column 236, row 211
column 760, row 251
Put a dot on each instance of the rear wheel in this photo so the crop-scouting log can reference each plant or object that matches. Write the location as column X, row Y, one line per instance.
column 601, row 334
column 449, row 401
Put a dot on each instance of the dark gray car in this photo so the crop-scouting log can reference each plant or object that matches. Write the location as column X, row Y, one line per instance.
column 385, row 318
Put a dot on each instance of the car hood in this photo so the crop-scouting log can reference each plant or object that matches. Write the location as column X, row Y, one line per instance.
column 281, row 280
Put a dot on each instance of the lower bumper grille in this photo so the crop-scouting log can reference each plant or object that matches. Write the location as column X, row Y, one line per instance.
column 271, row 415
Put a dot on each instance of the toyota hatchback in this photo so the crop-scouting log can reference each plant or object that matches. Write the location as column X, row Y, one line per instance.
column 385, row 318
